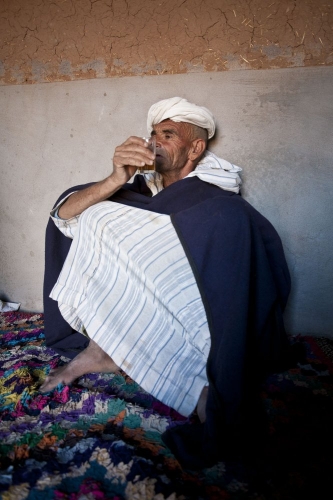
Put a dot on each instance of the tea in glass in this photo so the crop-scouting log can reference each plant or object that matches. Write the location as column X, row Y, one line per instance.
column 146, row 169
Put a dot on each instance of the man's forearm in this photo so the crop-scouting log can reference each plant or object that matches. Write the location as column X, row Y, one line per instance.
column 81, row 200
column 130, row 155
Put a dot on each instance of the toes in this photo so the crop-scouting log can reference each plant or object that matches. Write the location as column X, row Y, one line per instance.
column 48, row 385
column 44, row 388
column 51, row 381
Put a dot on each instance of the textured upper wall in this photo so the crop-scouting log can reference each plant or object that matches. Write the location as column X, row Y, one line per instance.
column 56, row 40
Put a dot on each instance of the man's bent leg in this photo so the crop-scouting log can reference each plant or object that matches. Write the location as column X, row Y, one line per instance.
column 92, row 360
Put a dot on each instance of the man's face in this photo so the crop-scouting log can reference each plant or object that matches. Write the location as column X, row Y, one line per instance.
column 173, row 142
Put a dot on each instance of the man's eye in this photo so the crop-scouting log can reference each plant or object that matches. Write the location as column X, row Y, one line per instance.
column 167, row 136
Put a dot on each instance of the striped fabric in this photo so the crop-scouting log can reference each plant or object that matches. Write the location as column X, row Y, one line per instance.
column 128, row 283
column 218, row 171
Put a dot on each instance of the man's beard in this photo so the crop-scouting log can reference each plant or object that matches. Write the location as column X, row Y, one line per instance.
column 164, row 164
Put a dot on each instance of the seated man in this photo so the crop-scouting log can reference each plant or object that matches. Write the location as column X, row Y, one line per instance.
column 173, row 277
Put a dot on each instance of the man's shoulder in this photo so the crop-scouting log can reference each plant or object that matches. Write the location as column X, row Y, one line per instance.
column 198, row 191
column 193, row 186
column 206, row 200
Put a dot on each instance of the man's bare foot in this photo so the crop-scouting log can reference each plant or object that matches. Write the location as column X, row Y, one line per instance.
column 201, row 406
column 92, row 360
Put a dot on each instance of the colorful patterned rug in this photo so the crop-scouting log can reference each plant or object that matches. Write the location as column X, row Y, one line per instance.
column 101, row 437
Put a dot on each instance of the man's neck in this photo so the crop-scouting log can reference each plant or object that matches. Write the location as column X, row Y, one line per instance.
column 174, row 176
column 171, row 179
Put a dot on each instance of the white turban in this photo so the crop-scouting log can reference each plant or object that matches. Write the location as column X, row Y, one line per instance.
column 178, row 109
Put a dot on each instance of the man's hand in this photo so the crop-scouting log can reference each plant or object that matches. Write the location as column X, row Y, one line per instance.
column 130, row 155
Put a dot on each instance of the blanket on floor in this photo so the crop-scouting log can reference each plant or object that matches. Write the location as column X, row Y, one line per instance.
column 101, row 437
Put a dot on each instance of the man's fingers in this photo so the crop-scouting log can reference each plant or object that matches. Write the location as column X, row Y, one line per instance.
column 133, row 152
column 133, row 148
column 133, row 143
column 132, row 158
column 129, row 161
column 134, row 140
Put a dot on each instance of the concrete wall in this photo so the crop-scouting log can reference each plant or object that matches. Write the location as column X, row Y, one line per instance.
column 276, row 124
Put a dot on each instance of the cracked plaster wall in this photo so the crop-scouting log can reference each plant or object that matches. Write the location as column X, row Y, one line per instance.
column 59, row 40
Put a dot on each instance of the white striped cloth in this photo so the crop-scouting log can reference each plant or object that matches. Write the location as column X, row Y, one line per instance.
column 128, row 283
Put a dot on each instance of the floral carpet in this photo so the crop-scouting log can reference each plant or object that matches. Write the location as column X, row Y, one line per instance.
column 100, row 438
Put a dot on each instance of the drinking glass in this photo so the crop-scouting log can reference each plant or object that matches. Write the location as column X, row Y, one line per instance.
column 146, row 169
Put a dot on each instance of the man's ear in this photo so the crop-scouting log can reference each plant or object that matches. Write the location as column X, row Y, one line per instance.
column 197, row 148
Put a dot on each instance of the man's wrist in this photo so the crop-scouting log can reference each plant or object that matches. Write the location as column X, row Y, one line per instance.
column 115, row 182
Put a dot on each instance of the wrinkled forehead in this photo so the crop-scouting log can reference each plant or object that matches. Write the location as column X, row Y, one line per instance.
column 171, row 126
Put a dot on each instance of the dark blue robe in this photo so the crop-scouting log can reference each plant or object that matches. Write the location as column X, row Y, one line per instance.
column 240, row 268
